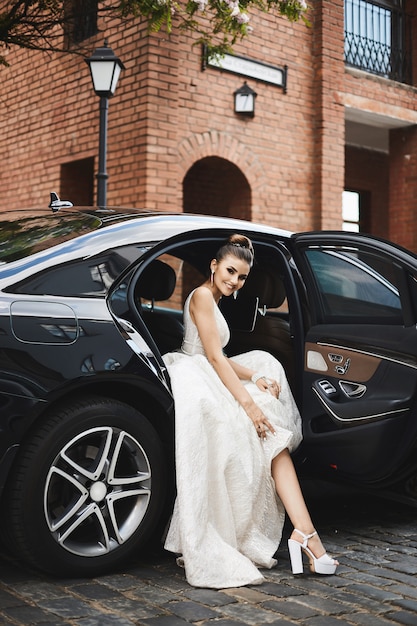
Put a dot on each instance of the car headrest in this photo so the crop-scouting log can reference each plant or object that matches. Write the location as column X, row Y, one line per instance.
column 157, row 282
column 267, row 285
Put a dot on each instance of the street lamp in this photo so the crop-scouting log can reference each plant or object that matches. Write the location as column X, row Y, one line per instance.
column 105, row 68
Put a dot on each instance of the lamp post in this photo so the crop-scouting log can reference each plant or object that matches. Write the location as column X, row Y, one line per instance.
column 105, row 70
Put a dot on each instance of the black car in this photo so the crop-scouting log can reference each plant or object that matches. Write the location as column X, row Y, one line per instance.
column 90, row 300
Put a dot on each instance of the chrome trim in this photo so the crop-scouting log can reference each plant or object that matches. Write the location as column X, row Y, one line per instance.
column 352, row 389
column 335, row 358
column 355, row 419
column 342, row 369
column 373, row 354
column 335, row 251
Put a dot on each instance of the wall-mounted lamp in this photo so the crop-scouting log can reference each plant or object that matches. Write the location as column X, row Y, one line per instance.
column 245, row 100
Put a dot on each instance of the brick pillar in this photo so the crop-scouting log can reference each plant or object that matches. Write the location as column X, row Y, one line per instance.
column 163, row 189
column 144, row 122
column 328, row 63
column 403, row 187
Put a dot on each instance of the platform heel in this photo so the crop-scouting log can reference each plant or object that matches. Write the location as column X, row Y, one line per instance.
column 296, row 557
column 322, row 565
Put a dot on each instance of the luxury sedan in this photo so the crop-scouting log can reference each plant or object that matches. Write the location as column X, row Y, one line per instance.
column 91, row 300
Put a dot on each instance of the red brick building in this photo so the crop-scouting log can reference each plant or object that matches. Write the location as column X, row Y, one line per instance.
column 346, row 120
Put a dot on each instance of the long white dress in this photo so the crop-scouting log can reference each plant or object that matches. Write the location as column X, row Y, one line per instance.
column 227, row 519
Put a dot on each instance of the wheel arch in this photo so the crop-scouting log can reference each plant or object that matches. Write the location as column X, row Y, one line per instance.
column 157, row 407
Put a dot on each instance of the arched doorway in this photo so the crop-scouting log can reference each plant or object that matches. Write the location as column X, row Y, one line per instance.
column 215, row 186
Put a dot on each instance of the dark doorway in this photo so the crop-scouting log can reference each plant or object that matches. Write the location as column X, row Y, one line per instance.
column 215, row 186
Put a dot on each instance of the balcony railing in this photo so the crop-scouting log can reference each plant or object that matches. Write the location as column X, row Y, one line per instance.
column 378, row 39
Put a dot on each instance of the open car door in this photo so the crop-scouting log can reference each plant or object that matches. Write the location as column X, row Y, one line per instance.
column 360, row 356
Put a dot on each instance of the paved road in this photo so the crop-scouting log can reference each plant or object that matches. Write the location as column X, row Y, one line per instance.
column 375, row 540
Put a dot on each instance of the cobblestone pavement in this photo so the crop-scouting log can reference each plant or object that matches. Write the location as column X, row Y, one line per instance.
column 375, row 540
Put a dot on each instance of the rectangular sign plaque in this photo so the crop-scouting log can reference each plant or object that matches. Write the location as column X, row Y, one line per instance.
column 249, row 68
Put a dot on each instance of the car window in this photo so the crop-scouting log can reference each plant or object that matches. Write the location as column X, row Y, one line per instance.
column 355, row 285
column 91, row 277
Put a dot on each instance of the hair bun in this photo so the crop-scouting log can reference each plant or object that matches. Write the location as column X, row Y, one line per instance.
column 238, row 245
column 241, row 241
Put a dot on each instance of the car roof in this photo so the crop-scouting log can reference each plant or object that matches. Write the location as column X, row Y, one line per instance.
column 32, row 240
column 167, row 223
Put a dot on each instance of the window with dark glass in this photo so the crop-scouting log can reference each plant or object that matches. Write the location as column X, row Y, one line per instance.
column 88, row 278
column 77, row 181
column 378, row 38
column 81, row 20
column 355, row 285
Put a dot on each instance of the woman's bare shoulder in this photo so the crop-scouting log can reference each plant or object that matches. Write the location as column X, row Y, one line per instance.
column 202, row 292
column 201, row 296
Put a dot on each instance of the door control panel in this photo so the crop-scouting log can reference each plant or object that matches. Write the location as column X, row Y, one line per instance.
column 327, row 387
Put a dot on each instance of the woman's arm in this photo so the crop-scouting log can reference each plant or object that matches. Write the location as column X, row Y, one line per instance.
column 202, row 314
column 242, row 372
column 265, row 384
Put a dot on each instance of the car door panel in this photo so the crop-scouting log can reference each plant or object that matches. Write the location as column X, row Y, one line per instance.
column 361, row 436
column 339, row 361
column 360, row 364
column 355, row 386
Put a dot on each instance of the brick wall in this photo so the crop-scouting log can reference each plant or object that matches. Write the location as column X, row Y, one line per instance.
column 167, row 115
column 329, row 113
column 403, row 187
column 174, row 141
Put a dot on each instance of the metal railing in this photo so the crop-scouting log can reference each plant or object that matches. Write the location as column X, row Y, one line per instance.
column 378, row 39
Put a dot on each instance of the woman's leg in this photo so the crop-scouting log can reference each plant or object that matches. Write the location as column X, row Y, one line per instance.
column 289, row 491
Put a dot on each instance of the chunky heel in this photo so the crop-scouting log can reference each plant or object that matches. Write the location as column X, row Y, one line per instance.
column 296, row 557
column 322, row 565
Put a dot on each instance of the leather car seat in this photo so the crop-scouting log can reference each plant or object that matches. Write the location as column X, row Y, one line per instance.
column 270, row 332
column 156, row 284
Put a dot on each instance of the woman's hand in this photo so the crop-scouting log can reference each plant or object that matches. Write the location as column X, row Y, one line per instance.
column 268, row 384
column 261, row 423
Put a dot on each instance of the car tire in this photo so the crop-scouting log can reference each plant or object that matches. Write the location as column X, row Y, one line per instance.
column 87, row 489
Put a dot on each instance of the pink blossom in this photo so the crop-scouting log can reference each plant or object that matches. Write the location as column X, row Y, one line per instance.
column 242, row 18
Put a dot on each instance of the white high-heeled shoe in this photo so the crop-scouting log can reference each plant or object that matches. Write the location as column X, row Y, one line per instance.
column 321, row 565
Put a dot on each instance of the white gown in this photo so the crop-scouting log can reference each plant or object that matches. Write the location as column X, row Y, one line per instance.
column 227, row 519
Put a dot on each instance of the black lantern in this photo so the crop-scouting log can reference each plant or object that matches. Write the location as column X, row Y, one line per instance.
column 105, row 68
column 245, row 100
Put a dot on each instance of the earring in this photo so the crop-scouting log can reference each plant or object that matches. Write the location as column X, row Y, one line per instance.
column 212, row 277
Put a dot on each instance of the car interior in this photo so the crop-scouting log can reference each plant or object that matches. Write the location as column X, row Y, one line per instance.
column 258, row 318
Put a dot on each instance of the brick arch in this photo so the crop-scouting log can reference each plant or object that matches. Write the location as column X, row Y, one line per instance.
column 216, row 186
column 213, row 143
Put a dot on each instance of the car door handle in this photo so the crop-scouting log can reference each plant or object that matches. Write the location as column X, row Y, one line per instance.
column 352, row 390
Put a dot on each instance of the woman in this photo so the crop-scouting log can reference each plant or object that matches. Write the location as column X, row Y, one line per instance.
column 236, row 424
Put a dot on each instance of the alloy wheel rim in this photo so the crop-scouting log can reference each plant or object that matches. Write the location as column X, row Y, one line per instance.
column 97, row 491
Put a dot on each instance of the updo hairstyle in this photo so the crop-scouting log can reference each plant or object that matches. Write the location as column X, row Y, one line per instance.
column 239, row 246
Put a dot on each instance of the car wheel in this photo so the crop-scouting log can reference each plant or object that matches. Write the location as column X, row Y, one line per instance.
column 87, row 489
